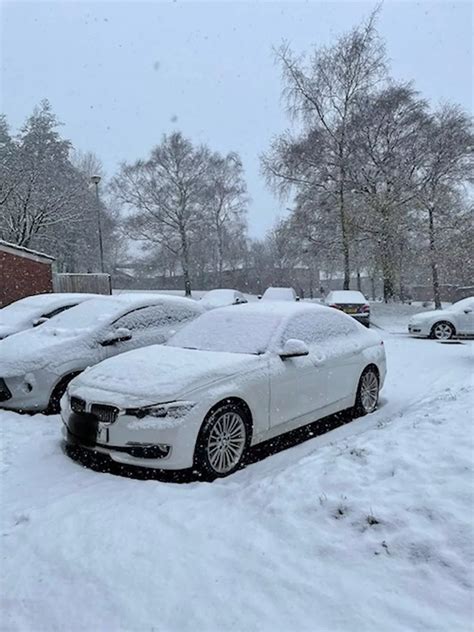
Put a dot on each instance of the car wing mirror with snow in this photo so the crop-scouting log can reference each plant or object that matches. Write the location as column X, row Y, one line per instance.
column 119, row 335
column 39, row 321
column 468, row 310
column 294, row 348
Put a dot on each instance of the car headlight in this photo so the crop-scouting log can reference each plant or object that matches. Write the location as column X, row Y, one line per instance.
column 172, row 410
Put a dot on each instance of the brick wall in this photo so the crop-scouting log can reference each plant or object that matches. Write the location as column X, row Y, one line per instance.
column 21, row 276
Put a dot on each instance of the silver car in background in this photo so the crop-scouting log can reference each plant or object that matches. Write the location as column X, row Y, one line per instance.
column 37, row 365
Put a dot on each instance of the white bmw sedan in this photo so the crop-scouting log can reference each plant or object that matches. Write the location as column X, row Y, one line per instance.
column 230, row 379
column 454, row 321
column 37, row 365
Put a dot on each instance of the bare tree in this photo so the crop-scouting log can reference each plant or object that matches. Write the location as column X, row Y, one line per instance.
column 387, row 133
column 226, row 202
column 322, row 95
column 446, row 168
column 165, row 195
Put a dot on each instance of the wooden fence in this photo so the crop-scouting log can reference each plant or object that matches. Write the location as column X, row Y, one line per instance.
column 93, row 283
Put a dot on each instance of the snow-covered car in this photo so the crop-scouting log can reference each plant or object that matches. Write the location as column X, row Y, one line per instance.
column 280, row 294
column 222, row 298
column 36, row 365
column 230, row 379
column 34, row 310
column 351, row 302
column 454, row 321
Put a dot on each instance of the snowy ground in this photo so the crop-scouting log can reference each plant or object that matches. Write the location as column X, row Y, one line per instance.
column 368, row 527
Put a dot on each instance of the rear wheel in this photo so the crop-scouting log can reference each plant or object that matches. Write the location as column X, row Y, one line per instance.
column 223, row 441
column 367, row 392
column 442, row 331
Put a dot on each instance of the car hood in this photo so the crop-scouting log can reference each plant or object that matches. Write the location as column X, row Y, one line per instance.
column 8, row 330
column 31, row 350
column 157, row 374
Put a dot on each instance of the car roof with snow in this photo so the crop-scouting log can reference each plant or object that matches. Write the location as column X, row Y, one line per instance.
column 50, row 300
column 100, row 311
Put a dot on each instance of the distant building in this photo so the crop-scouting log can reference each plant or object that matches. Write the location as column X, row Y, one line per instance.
column 23, row 272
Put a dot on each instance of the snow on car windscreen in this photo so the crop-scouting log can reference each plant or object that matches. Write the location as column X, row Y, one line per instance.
column 228, row 330
column 84, row 316
column 23, row 310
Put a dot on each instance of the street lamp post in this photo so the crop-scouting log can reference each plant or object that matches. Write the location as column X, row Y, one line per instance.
column 95, row 180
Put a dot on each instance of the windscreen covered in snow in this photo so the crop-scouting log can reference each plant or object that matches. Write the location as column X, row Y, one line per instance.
column 233, row 330
column 31, row 307
column 86, row 315
column 465, row 303
column 346, row 297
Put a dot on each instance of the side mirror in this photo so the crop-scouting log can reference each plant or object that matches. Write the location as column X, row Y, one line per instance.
column 120, row 335
column 39, row 321
column 294, row 348
column 468, row 311
column 259, row 296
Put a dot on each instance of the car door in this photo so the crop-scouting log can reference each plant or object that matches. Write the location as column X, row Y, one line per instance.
column 341, row 346
column 465, row 319
column 297, row 385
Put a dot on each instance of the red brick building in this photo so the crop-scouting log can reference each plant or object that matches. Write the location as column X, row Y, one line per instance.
column 23, row 272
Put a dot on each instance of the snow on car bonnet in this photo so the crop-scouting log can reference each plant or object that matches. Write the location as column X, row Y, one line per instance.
column 156, row 374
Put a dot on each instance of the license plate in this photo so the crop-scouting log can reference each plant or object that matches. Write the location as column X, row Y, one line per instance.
column 351, row 310
column 102, row 435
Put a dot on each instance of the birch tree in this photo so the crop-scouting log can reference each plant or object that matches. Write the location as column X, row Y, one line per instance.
column 321, row 95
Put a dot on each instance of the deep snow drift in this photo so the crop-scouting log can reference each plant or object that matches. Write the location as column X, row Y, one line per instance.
column 368, row 527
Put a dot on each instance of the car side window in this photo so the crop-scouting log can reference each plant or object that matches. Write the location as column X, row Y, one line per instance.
column 152, row 316
column 57, row 311
column 318, row 327
column 141, row 318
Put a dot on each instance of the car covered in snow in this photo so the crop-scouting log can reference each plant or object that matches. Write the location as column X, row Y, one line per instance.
column 351, row 302
column 222, row 298
column 230, row 379
column 280, row 294
column 457, row 320
column 32, row 311
column 36, row 365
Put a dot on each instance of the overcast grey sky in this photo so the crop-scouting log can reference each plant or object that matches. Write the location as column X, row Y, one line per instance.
column 119, row 75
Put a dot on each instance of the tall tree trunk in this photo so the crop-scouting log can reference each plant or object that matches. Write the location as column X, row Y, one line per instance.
column 185, row 262
column 386, row 255
column 220, row 254
column 345, row 236
column 433, row 260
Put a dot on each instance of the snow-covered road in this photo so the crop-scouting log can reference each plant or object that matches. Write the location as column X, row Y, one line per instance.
column 369, row 527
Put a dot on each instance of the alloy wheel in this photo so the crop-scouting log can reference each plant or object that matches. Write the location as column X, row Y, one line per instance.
column 226, row 442
column 443, row 331
column 369, row 391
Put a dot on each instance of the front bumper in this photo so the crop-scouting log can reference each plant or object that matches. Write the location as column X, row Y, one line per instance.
column 415, row 329
column 128, row 441
column 30, row 392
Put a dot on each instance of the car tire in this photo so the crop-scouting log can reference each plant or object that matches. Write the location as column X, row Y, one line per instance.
column 58, row 391
column 223, row 441
column 367, row 397
column 442, row 330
